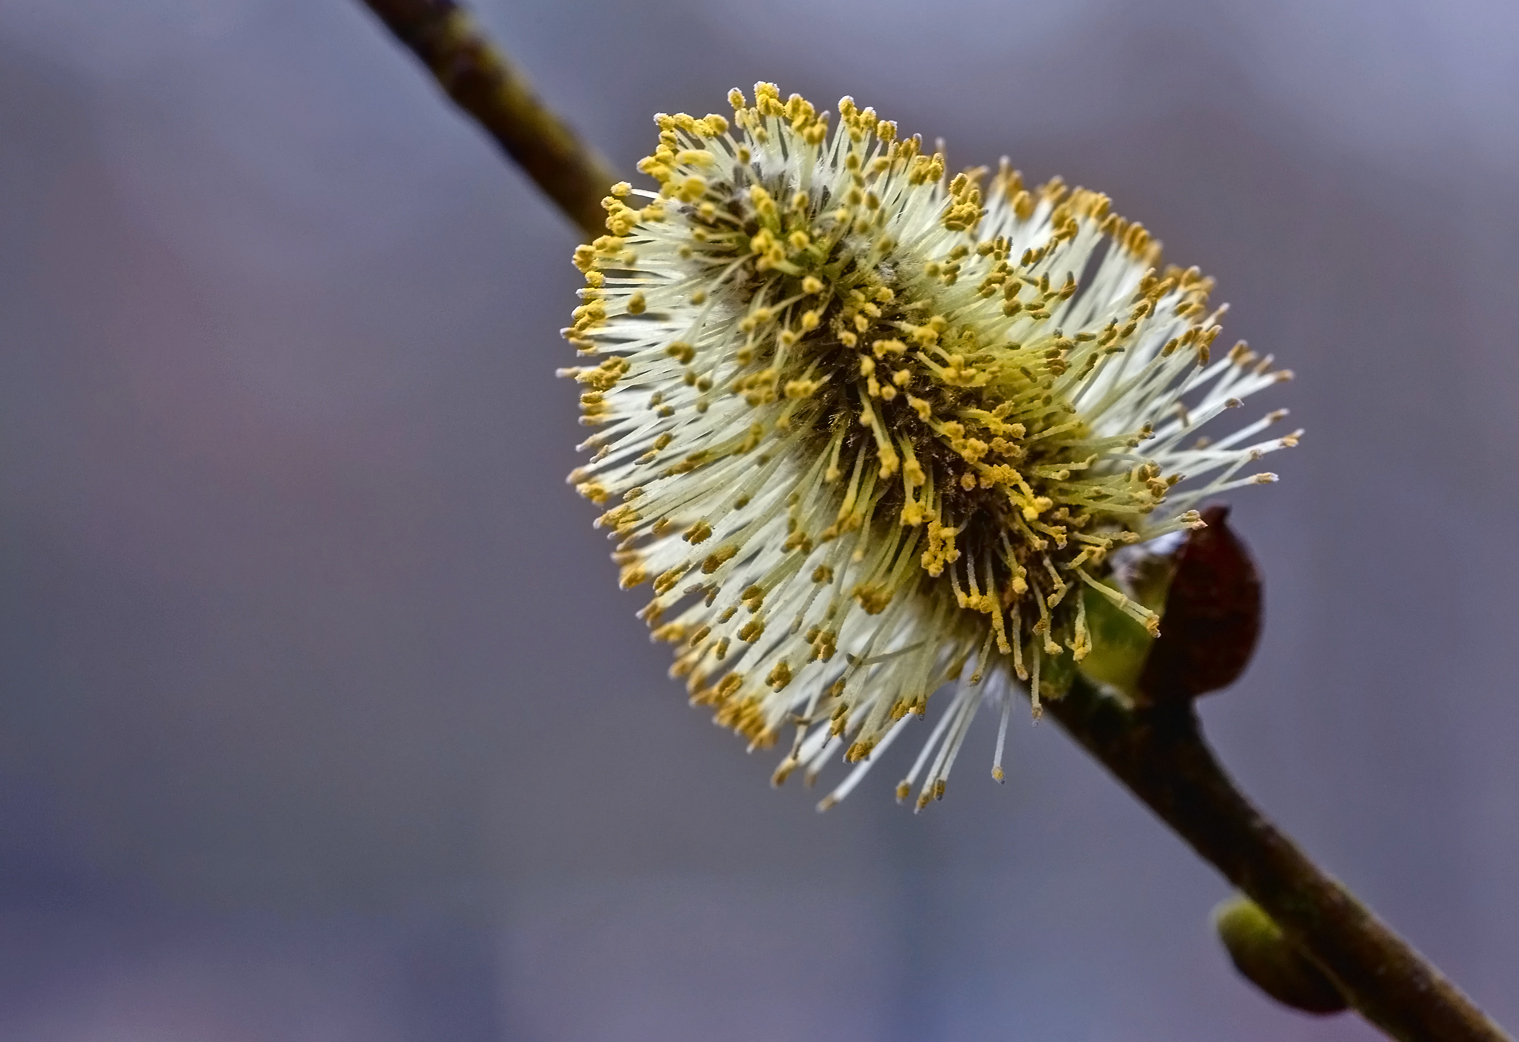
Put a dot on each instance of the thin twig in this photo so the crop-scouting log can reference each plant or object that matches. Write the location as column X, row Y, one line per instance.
column 1158, row 753
column 482, row 82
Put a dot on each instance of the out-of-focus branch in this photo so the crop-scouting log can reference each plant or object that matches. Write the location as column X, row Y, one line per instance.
column 1157, row 751
column 484, row 83
column 1160, row 755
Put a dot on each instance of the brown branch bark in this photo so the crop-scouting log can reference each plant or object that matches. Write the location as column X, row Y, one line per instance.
column 1157, row 752
column 1160, row 755
column 482, row 82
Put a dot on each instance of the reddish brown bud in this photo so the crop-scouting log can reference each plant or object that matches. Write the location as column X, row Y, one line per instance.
column 1212, row 618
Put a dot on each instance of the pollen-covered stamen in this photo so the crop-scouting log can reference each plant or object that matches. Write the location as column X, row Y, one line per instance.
column 867, row 428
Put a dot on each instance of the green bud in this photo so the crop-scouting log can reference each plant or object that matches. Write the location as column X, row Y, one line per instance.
column 1120, row 644
column 1264, row 955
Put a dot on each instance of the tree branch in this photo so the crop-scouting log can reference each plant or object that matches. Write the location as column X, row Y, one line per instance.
column 1158, row 752
column 1160, row 755
column 482, row 82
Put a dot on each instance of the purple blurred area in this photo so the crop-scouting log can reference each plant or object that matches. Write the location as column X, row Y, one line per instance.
column 321, row 717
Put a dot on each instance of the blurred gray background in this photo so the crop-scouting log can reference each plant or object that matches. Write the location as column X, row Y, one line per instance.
column 321, row 717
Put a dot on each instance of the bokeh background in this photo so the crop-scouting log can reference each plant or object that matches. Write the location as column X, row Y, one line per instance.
column 321, row 717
